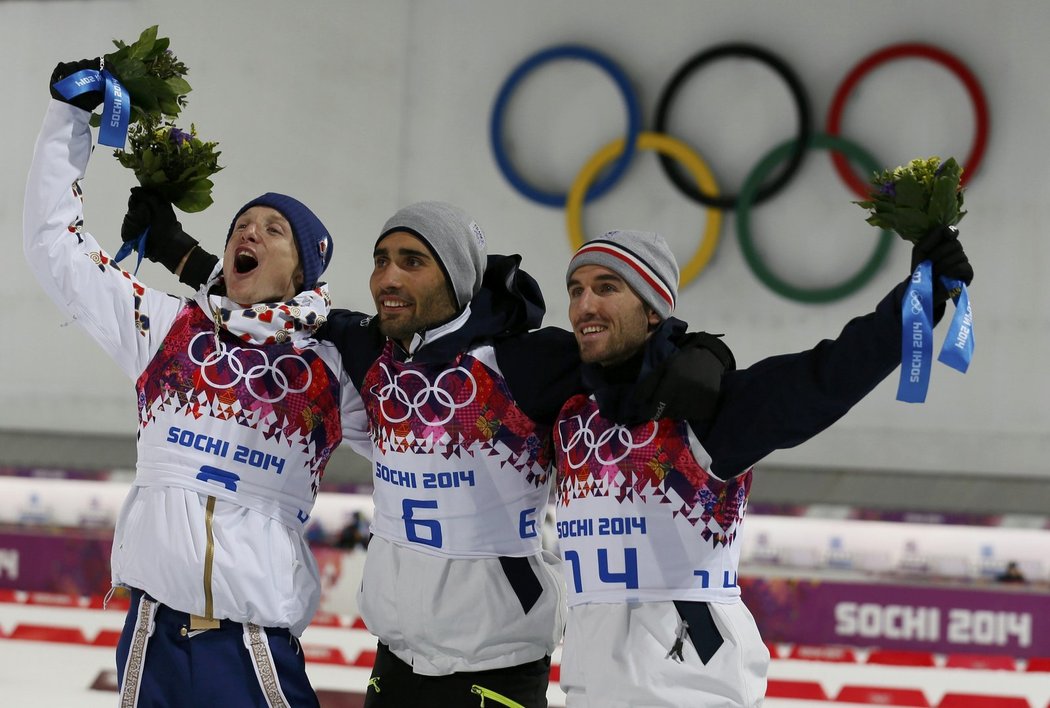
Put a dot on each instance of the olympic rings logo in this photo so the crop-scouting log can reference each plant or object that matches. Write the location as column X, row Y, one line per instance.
column 393, row 391
column 700, row 185
column 237, row 359
column 584, row 436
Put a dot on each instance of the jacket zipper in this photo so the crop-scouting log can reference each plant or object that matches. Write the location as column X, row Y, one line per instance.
column 208, row 621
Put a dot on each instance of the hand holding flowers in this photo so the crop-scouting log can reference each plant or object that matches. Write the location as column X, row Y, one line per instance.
column 173, row 164
column 922, row 201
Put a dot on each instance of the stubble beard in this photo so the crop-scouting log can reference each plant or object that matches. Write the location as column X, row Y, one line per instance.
column 400, row 329
column 403, row 328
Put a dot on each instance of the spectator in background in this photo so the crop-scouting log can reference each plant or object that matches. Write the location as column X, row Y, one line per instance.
column 315, row 534
column 1011, row 574
column 354, row 533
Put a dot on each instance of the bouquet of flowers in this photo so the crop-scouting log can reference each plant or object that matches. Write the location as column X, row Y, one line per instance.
column 171, row 162
column 913, row 200
column 916, row 198
column 152, row 75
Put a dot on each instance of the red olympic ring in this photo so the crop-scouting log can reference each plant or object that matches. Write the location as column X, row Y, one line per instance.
column 861, row 187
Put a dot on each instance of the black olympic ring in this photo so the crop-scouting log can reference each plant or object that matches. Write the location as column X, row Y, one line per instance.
column 792, row 153
column 749, row 51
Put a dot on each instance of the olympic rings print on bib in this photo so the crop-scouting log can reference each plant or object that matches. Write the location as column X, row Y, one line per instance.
column 424, row 402
column 694, row 178
column 230, row 367
column 593, row 444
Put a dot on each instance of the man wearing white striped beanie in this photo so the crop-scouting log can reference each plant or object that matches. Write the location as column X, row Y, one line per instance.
column 643, row 261
column 663, row 441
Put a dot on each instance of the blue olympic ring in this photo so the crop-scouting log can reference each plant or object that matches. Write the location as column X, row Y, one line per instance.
column 634, row 122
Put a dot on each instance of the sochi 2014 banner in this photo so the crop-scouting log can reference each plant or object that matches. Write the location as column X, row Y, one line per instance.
column 1003, row 620
column 74, row 562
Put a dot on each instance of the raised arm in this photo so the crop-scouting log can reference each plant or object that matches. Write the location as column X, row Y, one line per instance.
column 782, row 401
column 126, row 319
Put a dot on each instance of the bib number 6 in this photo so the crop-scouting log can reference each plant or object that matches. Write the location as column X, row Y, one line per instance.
column 425, row 531
column 428, row 531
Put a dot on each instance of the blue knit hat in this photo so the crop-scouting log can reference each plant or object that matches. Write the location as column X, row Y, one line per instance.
column 312, row 239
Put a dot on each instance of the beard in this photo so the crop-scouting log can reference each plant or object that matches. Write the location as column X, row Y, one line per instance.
column 400, row 329
column 430, row 311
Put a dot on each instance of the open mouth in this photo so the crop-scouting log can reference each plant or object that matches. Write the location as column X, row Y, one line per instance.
column 244, row 262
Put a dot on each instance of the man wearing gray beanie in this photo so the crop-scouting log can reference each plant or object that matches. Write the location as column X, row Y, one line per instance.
column 464, row 601
column 466, row 604
column 657, row 596
column 439, row 234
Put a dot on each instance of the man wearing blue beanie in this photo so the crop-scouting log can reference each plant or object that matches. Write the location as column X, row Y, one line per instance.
column 239, row 410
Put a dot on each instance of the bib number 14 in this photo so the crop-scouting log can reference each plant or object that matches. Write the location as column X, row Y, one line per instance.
column 628, row 576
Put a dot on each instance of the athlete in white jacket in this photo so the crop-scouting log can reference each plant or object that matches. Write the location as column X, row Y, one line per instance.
column 650, row 507
column 239, row 410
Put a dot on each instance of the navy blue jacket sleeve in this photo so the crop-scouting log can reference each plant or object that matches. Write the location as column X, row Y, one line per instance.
column 782, row 401
column 357, row 338
column 542, row 371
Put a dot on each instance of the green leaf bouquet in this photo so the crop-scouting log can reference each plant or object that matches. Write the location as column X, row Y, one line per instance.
column 152, row 74
column 171, row 162
column 916, row 198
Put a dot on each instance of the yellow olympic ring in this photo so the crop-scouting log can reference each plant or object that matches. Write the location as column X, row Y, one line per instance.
column 672, row 148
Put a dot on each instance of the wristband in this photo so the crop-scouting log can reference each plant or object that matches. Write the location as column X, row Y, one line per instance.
column 199, row 265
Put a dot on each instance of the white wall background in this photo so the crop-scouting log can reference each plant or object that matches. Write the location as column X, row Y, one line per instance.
column 360, row 107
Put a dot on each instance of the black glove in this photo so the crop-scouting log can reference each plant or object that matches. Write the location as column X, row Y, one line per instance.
column 89, row 100
column 687, row 385
column 166, row 243
column 944, row 250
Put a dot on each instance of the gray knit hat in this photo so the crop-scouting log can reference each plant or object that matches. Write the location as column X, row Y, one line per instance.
column 642, row 258
column 454, row 238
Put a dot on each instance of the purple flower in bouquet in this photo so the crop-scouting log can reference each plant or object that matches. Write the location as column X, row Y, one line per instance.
column 179, row 136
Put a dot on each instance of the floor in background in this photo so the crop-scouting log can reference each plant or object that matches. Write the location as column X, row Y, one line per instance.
column 54, row 656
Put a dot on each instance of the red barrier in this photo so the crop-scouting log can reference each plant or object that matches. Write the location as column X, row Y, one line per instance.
column 881, row 696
